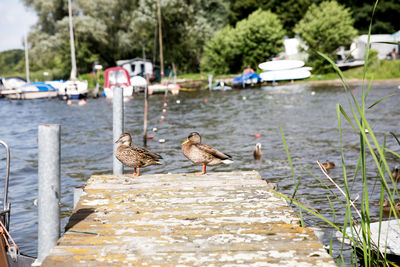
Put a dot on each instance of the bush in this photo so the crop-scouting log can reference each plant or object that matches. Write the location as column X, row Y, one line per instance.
column 252, row 41
column 260, row 37
column 324, row 28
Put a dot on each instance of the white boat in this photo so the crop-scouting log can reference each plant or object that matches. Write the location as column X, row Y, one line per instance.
column 71, row 89
column 288, row 74
column 283, row 64
column 138, row 83
column 160, row 88
column 220, row 86
column 9, row 84
column 33, row 90
column 117, row 76
column 12, row 82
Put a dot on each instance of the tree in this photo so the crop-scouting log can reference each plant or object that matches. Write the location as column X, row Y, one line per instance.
column 324, row 28
column 252, row 41
column 260, row 37
column 289, row 12
column 386, row 18
column 220, row 54
column 109, row 30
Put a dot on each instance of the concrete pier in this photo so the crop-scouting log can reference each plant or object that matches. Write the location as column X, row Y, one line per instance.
column 187, row 220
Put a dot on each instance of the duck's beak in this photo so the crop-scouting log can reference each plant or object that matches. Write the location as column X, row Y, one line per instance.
column 187, row 140
column 116, row 142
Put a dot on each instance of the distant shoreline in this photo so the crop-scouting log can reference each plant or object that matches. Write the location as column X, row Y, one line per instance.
column 338, row 82
column 199, row 83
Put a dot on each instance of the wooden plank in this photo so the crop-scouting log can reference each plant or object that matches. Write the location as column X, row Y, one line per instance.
column 184, row 219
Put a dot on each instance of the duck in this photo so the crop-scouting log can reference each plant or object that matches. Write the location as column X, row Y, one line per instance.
column 257, row 153
column 133, row 156
column 395, row 173
column 202, row 154
column 328, row 165
column 386, row 205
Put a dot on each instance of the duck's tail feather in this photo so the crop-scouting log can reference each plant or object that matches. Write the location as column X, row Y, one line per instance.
column 227, row 161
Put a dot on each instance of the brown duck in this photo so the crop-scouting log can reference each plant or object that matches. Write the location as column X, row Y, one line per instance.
column 133, row 156
column 395, row 173
column 386, row 205
column 257, row 153
column 202, row 154
column 328, row 165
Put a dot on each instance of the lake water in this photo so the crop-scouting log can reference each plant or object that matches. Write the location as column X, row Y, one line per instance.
column 226, row 120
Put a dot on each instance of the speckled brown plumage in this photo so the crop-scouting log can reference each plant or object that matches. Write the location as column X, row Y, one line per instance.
column 202, row 154
column 396, row 173
column 328, row 165
column 133, row 156
column 257, row 153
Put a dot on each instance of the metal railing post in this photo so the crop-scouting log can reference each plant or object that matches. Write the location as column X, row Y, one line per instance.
column 49, row 196
column 118, row 126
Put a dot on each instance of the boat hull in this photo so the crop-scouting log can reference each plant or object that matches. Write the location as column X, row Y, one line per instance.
column 127, row 91
column 160, row 88
column 281, row 65
column 286, row 75
column 73, row 90
column 33, row 90
column 32, row 95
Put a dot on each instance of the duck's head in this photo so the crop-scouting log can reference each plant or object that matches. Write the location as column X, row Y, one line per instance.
column 395, row 172
column 193, row 138
column 125, row 139
column 258, row 147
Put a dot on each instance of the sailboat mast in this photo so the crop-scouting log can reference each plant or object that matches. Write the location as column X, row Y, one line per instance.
column 160, row 38
column 72, row 42
column 26, row 59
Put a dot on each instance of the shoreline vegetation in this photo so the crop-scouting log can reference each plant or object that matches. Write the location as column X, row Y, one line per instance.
column 383, row 70
column 379, row 71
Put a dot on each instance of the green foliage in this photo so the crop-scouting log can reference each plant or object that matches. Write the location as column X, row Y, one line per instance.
column 220, row 53
column 108, row 30
column 373, row 60
column 252, row 41
column 289, row 12
column 9, row 61
column 386, row 17
column 324, row 28
column 260, row 37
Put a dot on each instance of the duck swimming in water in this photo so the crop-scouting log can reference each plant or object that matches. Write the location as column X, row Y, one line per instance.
column 133, row 156
column 257, row 153
column 202, row 154
column 386, row 205
column 395, row 173
column 328, row 165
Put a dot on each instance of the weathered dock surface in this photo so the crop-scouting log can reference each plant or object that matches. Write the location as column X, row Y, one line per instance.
column 216, row 219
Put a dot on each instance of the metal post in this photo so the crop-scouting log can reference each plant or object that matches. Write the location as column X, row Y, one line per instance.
column 160, row 38
column 146, row 110
column 118, row 125
column 26, row 59
column 49, row 188
column 210, row 77
column 6, row 205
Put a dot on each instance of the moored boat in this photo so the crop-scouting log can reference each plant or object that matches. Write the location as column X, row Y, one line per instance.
column 117, row 76
column 286, row 74
column 220, row 86
column 161, row 88
column 248, row 79
column 33, row 90
column 73, row 89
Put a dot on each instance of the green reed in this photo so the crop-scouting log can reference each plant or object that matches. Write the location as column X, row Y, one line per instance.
column 357, row 211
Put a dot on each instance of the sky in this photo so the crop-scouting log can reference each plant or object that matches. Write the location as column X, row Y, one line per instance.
column 15, row 22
